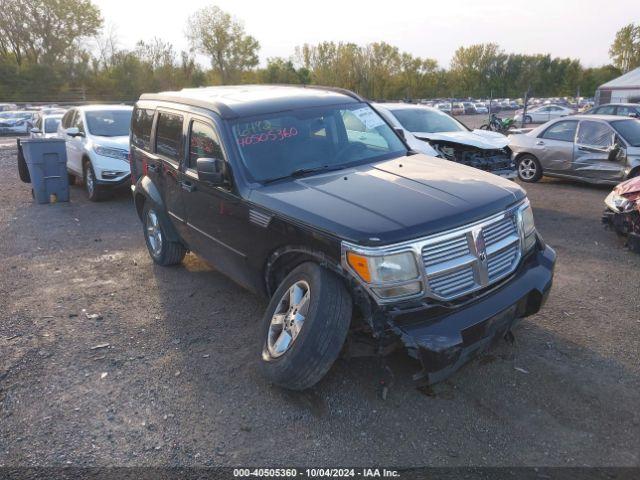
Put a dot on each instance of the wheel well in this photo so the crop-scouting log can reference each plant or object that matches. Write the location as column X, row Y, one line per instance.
column 634, row 172
column 139, row 202
column 522, row 154
column 85, row 160
column 282, row 265
column 284, row 260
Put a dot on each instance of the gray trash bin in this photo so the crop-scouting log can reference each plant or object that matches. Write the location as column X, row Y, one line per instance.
column 47, row 162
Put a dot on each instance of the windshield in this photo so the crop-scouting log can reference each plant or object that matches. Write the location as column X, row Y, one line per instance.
column 51, row 124
column 109, row 123
column 629, row 129
column 288, row 143
column 429, row 121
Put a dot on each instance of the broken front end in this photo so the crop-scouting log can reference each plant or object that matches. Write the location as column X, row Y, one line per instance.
column 623, row 212
column 497, row 161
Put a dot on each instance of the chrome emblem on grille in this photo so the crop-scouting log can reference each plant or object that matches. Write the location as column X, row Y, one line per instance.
column 481, row 253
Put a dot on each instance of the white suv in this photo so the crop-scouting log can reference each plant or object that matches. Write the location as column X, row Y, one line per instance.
column 97, row 140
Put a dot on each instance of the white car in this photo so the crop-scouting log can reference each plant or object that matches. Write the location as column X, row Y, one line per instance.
column 481, row 108
column 415, row 143
column 45, row 125
column 451, row 139
column 544, row 113
column 16, row 122
column 97, row 140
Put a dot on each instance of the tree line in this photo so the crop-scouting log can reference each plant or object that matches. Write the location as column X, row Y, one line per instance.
column 59, row 50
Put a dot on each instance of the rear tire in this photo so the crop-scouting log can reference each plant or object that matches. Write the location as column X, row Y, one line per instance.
column 529, row 168
column 485, row 127
column 162, row 250
column 315, row 341
column 528, row 119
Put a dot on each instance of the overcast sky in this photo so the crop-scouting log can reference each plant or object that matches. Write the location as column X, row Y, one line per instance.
column 565, row 28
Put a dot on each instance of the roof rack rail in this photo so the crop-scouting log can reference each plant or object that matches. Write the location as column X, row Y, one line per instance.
column 343, row 91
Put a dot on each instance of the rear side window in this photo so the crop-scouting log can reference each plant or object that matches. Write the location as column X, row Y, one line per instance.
column 141, row 128
column 203, row 143
column 169, row 135
column 563, row 131
column 595, row 134
column 608, row 110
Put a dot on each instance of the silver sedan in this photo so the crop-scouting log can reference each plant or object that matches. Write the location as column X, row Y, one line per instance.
column 595, row 148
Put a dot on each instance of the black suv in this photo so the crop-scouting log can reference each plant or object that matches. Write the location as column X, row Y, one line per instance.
column 309, row 197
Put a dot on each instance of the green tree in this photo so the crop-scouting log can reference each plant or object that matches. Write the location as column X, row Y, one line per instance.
column 43, row 31
column 217, row 34
column 625, row 50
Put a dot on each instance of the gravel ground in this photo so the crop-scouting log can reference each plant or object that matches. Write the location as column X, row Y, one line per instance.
column 109, row 360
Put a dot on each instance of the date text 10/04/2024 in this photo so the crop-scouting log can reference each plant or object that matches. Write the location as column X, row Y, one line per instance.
column 317, row 472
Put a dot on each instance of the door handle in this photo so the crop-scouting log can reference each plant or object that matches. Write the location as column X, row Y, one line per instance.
column 187, row 186
column 540, row 142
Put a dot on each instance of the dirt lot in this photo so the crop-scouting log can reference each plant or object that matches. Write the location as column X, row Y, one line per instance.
column 178, row 385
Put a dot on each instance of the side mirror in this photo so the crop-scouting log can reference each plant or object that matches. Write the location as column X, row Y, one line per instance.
column 35, row 130
column 74, row 132
column 400, row 132
column 211, row 170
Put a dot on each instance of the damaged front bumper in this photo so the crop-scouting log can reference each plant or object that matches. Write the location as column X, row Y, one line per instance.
column 627, row 224
column 445, row 338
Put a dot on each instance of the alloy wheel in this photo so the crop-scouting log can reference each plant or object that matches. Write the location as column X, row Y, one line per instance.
column 527, row 168
column 154, row 233
column 288, row 318
column 89, row 181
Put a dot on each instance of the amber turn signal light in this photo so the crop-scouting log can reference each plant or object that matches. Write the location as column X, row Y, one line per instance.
column 360, row 265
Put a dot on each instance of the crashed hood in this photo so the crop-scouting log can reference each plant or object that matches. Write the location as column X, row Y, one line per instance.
column 390, row 201
column 483, row 139
column 628, row 187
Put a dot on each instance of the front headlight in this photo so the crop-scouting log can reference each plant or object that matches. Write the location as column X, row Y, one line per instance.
column 111, row 152
column 527, row 227
column 389, row 276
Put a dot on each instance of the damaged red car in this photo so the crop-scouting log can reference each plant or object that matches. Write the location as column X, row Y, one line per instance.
column 623, row 211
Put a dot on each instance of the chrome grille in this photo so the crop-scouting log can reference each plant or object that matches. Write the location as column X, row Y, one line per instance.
column 502, row 262
column 444, row 251
column 453, row 283
column 468, row 259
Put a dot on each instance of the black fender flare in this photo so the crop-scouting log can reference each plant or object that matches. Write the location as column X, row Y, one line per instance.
column 304, row 253
column 146, row 191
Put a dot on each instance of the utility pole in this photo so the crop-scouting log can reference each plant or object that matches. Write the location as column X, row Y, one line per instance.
column 524, row 110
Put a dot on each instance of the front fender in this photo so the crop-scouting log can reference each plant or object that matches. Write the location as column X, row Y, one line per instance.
column 146, row 191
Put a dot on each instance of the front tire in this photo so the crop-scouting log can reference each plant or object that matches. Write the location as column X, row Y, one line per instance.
column 529, row 169
column 304, row 327
column 162, row 251
column 90, row 184
column 528, row 119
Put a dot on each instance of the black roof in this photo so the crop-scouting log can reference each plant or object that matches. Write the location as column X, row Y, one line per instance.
column 247, row 100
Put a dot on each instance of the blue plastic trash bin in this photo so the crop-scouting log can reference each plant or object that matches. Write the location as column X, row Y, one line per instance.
column 47, row 162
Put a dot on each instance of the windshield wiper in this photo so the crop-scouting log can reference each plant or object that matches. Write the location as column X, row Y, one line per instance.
column 301, row 172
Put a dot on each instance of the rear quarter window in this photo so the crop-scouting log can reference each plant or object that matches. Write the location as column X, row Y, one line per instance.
column 169, row 135
column 141, row 124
